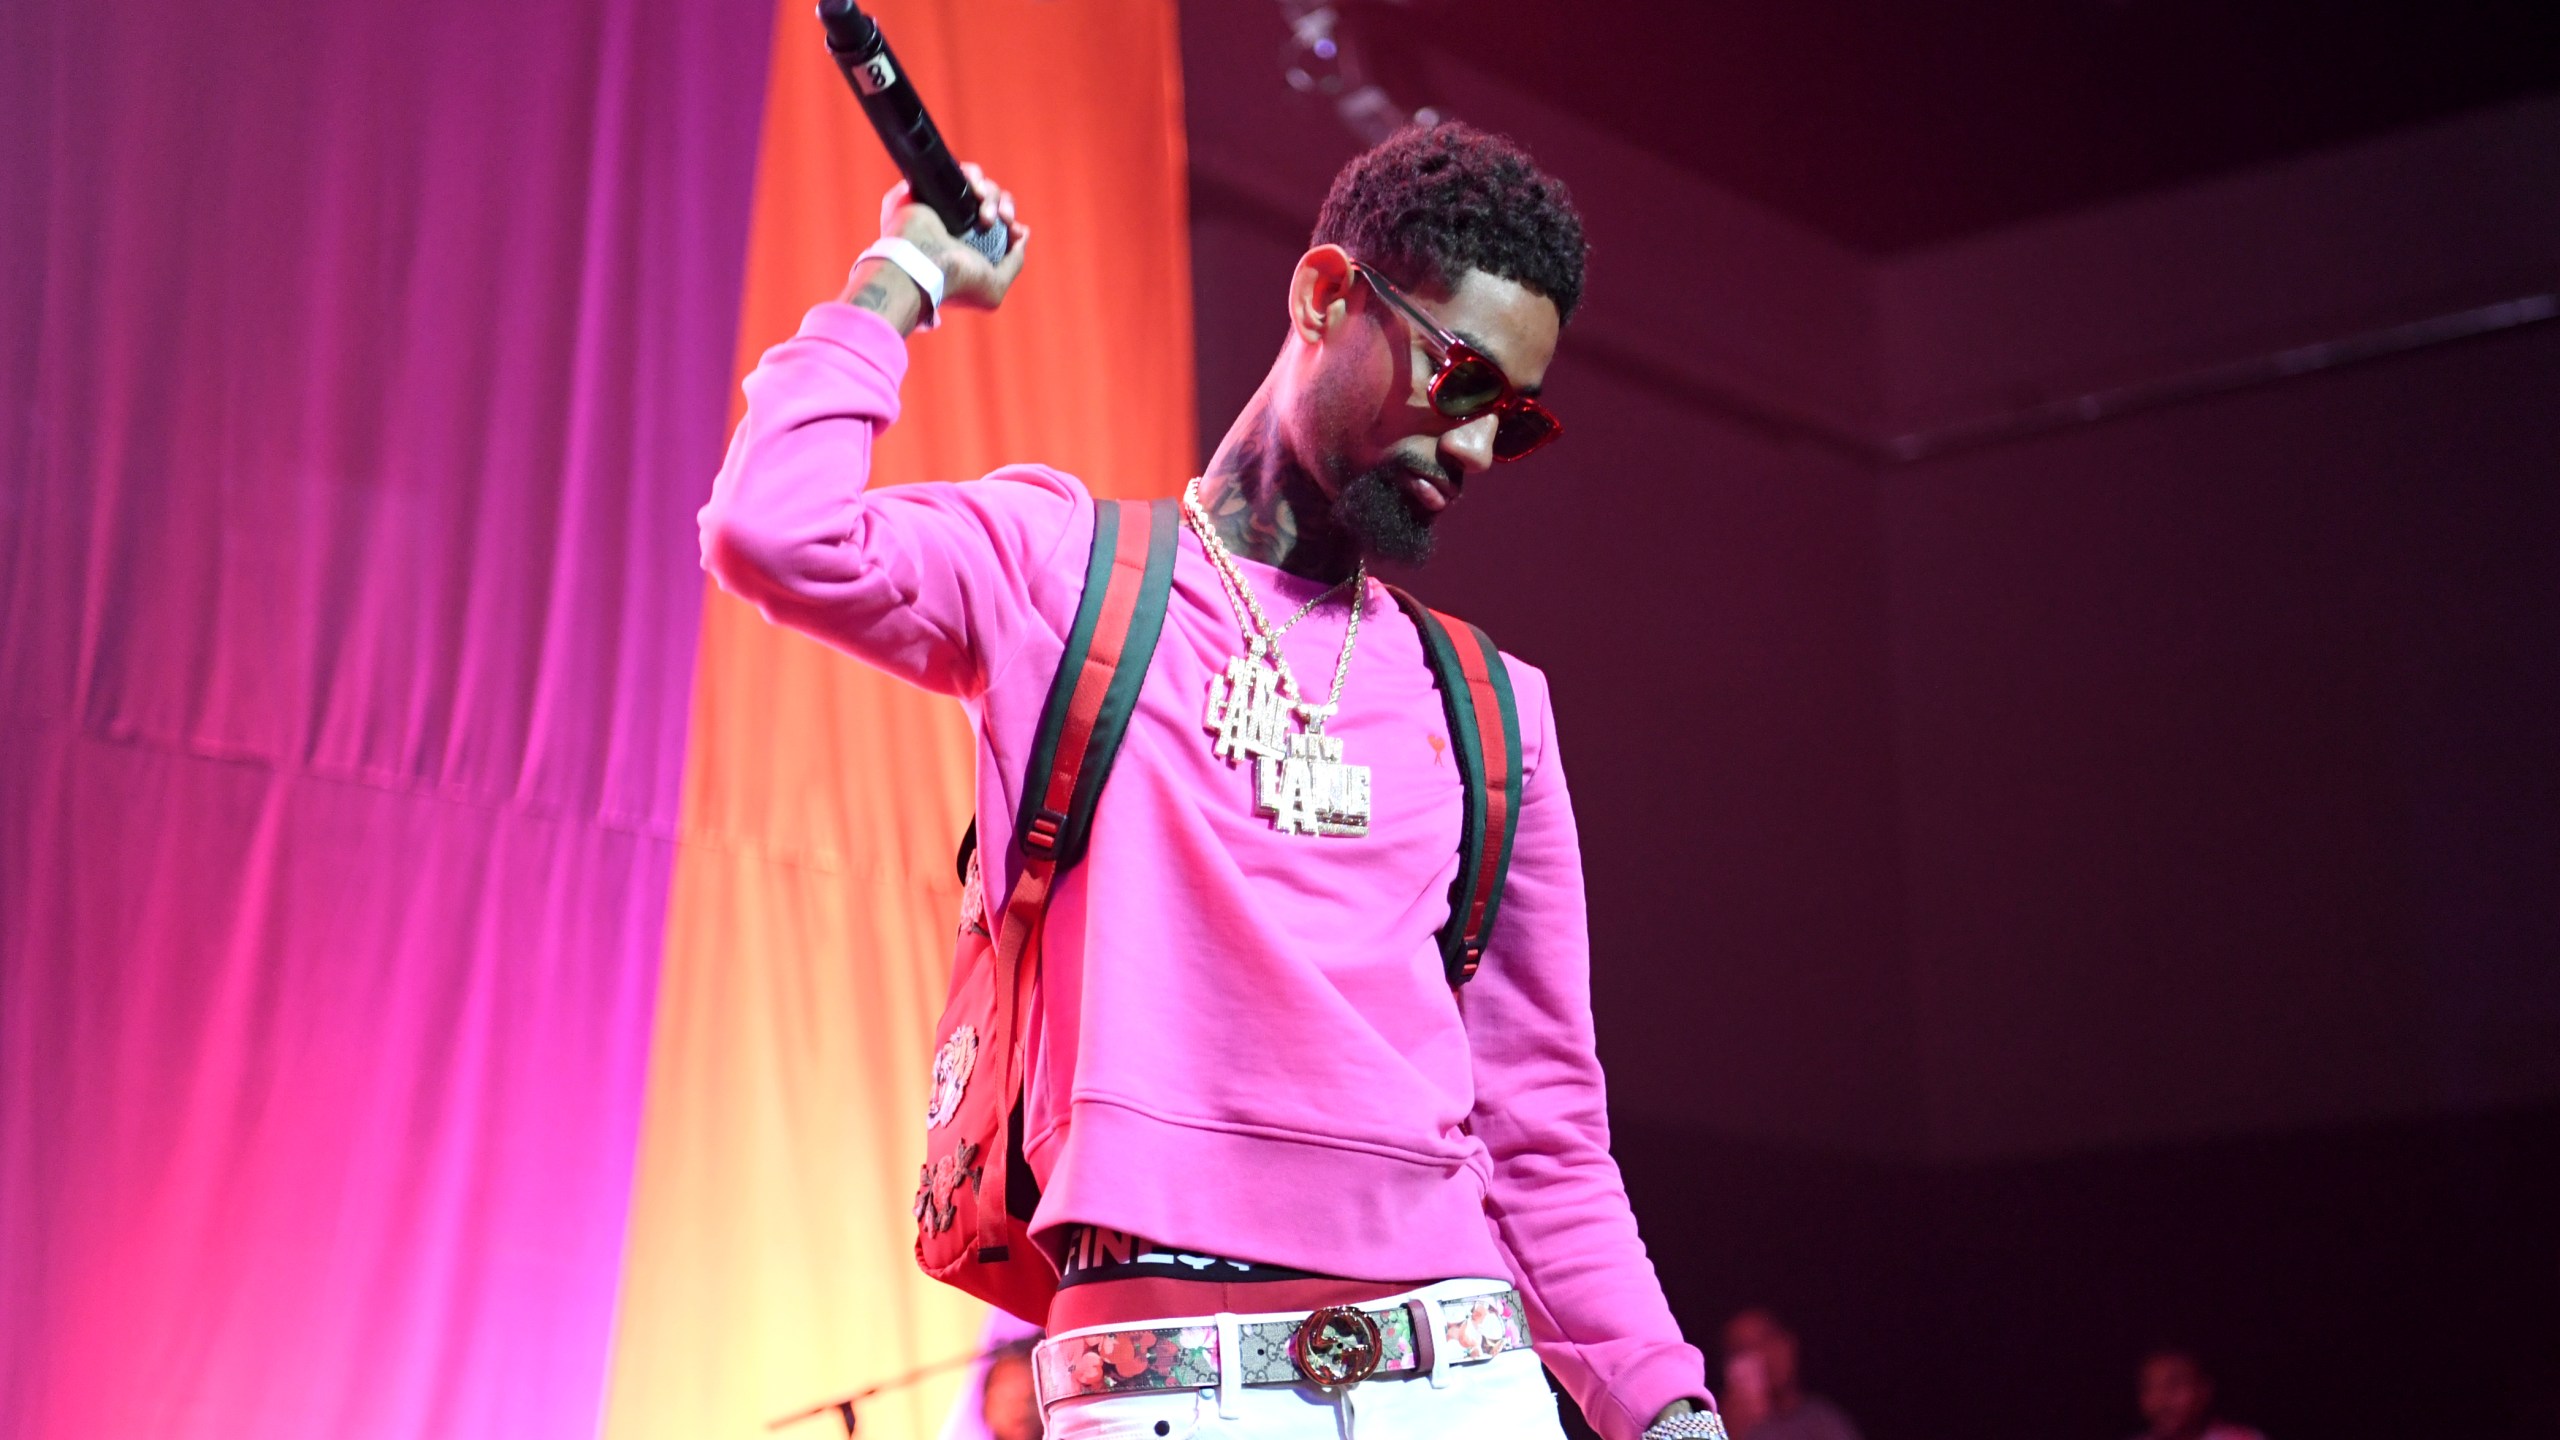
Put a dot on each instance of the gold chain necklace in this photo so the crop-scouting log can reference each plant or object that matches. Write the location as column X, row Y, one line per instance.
column 1300, row 780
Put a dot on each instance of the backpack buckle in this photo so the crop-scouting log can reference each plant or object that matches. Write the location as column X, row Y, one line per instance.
column 1042, row 838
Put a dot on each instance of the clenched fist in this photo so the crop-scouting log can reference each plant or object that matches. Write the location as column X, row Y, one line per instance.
column 968, row 281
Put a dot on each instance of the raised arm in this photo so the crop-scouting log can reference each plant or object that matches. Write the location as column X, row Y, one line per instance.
column 929, row 582
column 886, row 289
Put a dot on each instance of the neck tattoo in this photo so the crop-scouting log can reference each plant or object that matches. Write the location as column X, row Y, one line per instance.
column 1300, row 780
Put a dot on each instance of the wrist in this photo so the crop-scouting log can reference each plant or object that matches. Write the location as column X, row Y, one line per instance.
column 1686, row 1420
column 886, row 291
column 928, row 273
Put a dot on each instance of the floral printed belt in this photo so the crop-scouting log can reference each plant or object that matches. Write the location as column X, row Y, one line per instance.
column 1339, row 1345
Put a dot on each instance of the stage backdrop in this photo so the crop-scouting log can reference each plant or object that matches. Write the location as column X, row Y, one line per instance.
column 360, row 367
column 809, row 938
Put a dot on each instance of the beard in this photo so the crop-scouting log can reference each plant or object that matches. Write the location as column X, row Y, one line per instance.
column 1377, row 509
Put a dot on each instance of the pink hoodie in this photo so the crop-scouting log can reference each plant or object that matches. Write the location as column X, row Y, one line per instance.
column 1244, row 1043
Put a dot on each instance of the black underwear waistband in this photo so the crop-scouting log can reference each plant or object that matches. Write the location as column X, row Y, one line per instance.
column 1094, row 1254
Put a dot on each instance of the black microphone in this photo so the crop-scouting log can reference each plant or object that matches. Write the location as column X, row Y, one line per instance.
column 897, row 112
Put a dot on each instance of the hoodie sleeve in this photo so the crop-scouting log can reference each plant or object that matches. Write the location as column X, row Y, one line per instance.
column 1555, row 1200
column 934, row 583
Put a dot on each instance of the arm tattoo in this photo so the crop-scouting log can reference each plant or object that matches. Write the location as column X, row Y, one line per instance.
column 873, row 296
column 888, row 294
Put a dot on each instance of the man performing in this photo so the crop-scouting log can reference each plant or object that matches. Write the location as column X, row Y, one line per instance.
column 1255, row 1106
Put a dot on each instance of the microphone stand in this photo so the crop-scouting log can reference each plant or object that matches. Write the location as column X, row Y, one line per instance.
column 844, row 1404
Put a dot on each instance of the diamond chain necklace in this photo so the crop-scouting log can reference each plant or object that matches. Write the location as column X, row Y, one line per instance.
column 1262, row 639
column 1300, row 780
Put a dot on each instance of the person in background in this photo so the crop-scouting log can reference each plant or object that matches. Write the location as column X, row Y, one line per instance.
column 2176, row 1394
column 995, row 1400
column 1763, row 1396
column 1006, row 1398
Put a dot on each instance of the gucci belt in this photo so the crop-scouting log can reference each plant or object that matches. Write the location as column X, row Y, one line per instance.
column 1338, row 1345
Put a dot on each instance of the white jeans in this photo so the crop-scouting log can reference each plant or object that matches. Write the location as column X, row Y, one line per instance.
column 1504, row 1398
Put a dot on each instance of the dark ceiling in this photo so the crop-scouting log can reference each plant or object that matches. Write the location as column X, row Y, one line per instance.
column 1894, row 123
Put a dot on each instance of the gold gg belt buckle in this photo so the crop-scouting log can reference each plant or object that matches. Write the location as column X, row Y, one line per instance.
column 1338, row 1345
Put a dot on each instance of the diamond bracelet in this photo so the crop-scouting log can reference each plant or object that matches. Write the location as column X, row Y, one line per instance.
column 1694, row 1425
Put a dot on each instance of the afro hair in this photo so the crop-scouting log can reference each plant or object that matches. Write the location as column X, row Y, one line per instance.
column 1430, row 203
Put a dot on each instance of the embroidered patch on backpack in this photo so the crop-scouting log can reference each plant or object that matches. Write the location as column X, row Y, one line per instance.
column 938, row 1185
column 952, row 1066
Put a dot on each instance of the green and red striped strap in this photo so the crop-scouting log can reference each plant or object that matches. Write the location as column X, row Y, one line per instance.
column 1484, row 730
column 1127, row 580
column 1128, row 577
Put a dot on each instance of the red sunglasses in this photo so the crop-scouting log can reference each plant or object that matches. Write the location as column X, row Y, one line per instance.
column 1468, row 384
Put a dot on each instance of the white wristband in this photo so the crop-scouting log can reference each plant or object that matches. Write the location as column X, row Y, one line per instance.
column 919, row 267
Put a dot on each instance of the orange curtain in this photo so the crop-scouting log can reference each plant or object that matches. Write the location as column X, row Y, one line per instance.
column 808, row 939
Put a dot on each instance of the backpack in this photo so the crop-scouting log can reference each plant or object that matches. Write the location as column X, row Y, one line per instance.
column 975, row 1195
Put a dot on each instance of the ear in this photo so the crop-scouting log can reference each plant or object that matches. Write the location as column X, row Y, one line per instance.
column 1320, row 293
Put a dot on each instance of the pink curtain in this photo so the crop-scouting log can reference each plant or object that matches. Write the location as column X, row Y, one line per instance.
column 360, row 367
